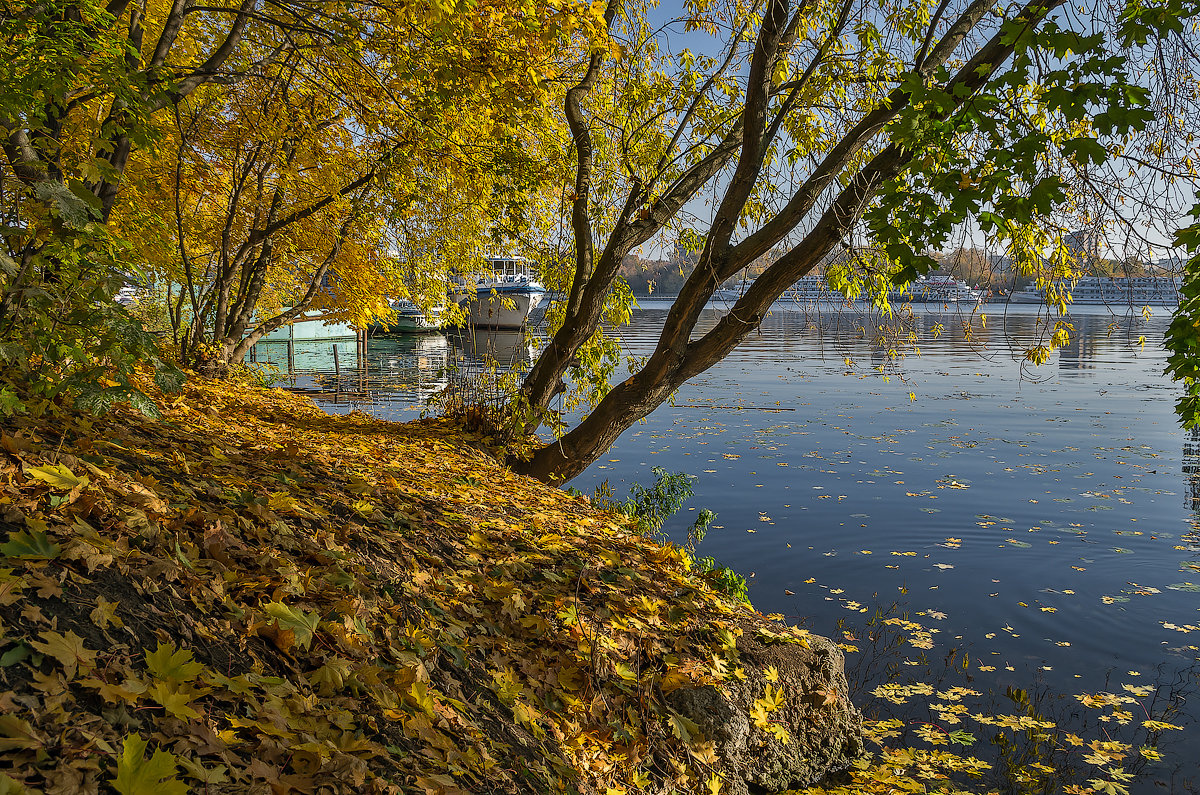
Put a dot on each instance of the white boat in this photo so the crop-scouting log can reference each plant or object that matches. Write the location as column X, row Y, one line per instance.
column 501, row 297
column 936, row 290
column 410, row 319
column 1127, row 291
column 126, row 295
column 1027, row 295
column 814, row 289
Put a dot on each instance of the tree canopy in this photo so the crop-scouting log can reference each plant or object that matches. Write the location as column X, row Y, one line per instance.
column 252, row 151
column 796, row 130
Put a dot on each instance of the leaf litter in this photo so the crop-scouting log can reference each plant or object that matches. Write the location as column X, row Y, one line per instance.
column 252, row 594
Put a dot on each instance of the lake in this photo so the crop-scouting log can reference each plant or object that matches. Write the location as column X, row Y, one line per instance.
column 1035, row 528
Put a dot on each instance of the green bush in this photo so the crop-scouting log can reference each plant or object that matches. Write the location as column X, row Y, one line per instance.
column 650, row 507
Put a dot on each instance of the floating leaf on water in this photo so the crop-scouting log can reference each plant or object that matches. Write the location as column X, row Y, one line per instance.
column 1122, row 550
column 1184, row 586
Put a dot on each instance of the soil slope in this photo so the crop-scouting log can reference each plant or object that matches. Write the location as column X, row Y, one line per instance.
column 250, row 595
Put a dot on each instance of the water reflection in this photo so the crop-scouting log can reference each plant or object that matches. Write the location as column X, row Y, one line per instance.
column 506, row 348
column 399, row 369
column 915, row 341
column 402, row 371
column 1191, row 466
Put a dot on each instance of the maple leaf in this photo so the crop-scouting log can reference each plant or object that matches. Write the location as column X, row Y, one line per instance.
column 282, row 502
column 283, row 639
column 570, row 678
column 10, row 587
column 290, row 619
column 205, row 775
column 169, row 665
column 674, row 679
column 115, row 694
column 30, row 546
column 16, row 733
column 684, row 728
column 705, row 753
column 175, row 701
column 439, row 784
column 58, row 476
column 105, row 613
column 138, row 776
column 829, row 695
column 67, row 649
column 331, row 676
column 92, row 557
column 625, row 672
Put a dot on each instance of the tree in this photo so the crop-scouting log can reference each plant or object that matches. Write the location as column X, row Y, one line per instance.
column 822, row 120
column 78, row 82
column 343, row 173
column 971, row 265
column 302, row 132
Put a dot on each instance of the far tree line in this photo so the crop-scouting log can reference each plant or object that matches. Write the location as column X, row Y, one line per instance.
column 659, row 277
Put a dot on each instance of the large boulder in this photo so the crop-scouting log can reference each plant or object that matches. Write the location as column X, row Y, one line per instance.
column 789, row 723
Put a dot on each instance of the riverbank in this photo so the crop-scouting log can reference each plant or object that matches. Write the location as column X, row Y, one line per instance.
column 251, row 595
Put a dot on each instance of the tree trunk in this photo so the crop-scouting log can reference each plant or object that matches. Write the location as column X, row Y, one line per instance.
column 678, row 357
column 628, row 402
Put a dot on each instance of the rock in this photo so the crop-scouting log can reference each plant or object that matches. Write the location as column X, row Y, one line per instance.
column 824, row 729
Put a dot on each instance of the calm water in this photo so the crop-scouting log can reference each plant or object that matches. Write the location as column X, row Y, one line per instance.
column 1040, row 522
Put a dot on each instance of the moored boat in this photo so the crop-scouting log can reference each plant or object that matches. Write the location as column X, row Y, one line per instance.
column 410, row 319
column 936, row 290
column 501, row 297
column 812, row 289
column 1135, row 291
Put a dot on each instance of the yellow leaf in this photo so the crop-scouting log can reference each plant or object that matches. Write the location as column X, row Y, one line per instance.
column 138, row 776
column 683, row 728
column 294, row 620
column 168, row 664
column 625, row 672
column 58, row 476
column 105, row 613
column 16, row 733
column 570, row 678
column 173, row 700
column 67, row 649
column 674, row 679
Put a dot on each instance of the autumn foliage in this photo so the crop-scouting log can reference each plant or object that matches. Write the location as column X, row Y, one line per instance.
column 253, row 595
